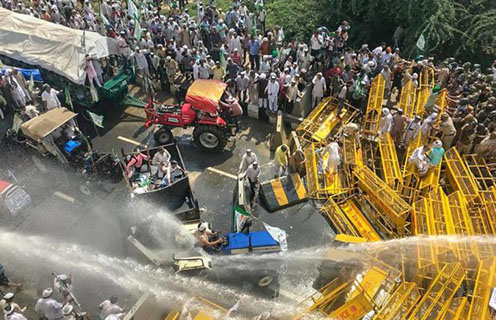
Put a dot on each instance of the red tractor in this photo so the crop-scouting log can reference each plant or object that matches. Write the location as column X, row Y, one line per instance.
column 201, row 111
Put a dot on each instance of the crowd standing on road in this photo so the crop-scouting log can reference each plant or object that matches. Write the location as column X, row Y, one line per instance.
column 47, row 307
column 166, row 43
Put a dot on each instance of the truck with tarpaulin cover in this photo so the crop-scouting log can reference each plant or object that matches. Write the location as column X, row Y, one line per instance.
column 60, row 53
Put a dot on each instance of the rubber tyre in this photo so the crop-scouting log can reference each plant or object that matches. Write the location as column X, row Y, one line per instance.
column 163, row 136
column 210, row 138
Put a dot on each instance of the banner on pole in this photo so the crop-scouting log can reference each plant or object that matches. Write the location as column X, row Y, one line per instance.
column 279, row 235
column 96, row 119
column 240, row 216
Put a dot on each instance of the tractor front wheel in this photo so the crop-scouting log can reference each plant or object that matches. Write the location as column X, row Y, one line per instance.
column 163, row 136
column 210, row 138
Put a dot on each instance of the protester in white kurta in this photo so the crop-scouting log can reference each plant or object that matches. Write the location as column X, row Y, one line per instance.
column 273, row 92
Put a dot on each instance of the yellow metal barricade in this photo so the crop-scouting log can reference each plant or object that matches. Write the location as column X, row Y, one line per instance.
column 338, row 218
column 437, row 298
column 426, row 256
column 346, row 218
column 442, row 103
column 480, row 171
column 356, row 217
column 489, row 208
column 461, row 225
column 400, row 303
column 353, row 309
column 323, row 121
column 370, row 154
column 430, row 182
column 321, row 184
column 407, row 99
column 374, row 105
column 485, row 282
column 460, row 177
column 457, row 309
column 391, row 204
column 438, row 222
column 409, row 188
column 324, row 301
column 426, row 83
column 391, row 172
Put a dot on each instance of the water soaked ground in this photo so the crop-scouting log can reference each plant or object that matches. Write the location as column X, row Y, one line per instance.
column 86, row 235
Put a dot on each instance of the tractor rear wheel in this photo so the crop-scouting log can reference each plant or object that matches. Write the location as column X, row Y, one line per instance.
column 210, row 138
column 163, row 136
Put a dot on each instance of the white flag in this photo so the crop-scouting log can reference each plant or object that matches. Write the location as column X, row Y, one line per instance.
column 97, row 119
column 132, row 10
column 279, row 235
column 421, row 42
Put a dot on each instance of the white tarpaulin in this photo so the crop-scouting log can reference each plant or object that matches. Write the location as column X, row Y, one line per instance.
column 51, row 46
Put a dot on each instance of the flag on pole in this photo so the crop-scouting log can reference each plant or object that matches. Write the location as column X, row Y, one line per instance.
column 102, row 16
column 132, row 9
column 240, row 216
column 137, row 29
column 68, row 99
column 133, row 12
column 96, row 119
column 279, row 235
column 421, row 42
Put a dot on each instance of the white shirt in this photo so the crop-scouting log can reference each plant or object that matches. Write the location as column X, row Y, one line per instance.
column 235, row 43
column 377, row 50
column 108, row 308
column 159, row 158
column 50, row 308
column 314, row 42
column 252, row 174
column 342, row 92
column 140, row 60
column 385, row 124
column 203, row 71
column 333, row 150
column 51, row 99
column 494, row 73
column 319, row 86
column 15, row 316
column 246, row 161
column 273, row 89
column 118, row 316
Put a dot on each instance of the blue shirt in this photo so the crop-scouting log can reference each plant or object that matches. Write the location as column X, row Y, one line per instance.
column 254, row 47
column 436, row 155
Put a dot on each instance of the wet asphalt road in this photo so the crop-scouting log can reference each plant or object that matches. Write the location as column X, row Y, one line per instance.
column 101, row 221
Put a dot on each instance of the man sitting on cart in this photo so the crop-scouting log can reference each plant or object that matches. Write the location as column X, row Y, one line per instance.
column 210, row 241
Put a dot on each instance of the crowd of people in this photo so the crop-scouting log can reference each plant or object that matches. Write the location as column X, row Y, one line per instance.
column 48, row 307
column 164, row 42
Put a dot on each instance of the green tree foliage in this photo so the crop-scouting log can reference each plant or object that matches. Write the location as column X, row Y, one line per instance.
column 462, row 28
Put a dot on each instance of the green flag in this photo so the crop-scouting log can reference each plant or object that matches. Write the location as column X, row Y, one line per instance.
column 68, row 99
column 96, row 119
column 240, row 216
column 137, row 29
